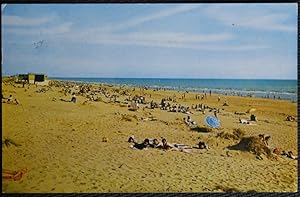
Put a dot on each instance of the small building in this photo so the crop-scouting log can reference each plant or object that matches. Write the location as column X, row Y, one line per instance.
column 33, row 78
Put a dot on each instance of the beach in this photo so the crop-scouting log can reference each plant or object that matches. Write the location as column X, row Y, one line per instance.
column 61, row 143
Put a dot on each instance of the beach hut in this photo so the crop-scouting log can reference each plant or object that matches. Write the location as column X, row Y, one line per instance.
column 33, row 78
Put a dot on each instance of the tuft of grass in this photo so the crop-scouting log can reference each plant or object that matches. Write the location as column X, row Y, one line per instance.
column 129, row 117
column 236, row 135
column 227, row 136
column 253, row 144
column 239, row 133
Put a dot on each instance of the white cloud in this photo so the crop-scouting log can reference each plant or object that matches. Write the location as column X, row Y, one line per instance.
column 248, row 17
column 165, row 40
column 154, row 16
column 10, row 20
column 60, row 29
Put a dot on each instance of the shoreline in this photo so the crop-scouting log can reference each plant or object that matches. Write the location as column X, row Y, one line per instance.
column 223, row 92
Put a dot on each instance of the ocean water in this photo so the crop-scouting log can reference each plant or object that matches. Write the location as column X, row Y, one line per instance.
column 281, row 89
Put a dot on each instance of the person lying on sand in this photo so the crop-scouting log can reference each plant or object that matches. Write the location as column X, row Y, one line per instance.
column 13, row 175
column 239, row 113
column 243, row 121
column 15, row 102
column 10, row 99
column 189, row 121
column 141, row 146
column 225, row 103
column 289, row 155
column 154, row 143
column 202, row 145
column 131, row 139
column 276, row 151
column 165, row 145
column 290, row 118
column 174, row 147
column 181, row 147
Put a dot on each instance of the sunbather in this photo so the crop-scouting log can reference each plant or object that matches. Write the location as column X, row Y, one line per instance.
column 189, row 120
column 10, row 99
column 13, row 175
column 202, row 145
column 291, row 155
column 165, row 145
column 131, row 139
column 243, row 121
column 154, row 143
column 143, row 145
column 290, row 118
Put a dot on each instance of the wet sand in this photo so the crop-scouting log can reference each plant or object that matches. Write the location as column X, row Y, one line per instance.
column 62, row 148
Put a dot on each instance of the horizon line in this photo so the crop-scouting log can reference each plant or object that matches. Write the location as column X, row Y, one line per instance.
column 93, row 77
column 85, row 77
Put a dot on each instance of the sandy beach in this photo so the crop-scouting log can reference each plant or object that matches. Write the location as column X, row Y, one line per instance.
column 61, row 143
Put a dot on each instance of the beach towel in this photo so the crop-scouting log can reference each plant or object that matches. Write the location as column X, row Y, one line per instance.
column 212, row 121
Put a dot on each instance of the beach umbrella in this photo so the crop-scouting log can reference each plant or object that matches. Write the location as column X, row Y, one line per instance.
column 212, row 121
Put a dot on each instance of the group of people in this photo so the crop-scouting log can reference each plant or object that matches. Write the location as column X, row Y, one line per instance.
column 152, row 143
column 139, row 99
column 9, row 100
column 288, row 154
column 180, row 108
column 163, row 145
column 290, row 118
column 244, row 121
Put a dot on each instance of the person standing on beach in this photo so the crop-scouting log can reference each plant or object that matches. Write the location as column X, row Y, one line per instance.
column 73, row 98
column 209, row 92
column 215, row 113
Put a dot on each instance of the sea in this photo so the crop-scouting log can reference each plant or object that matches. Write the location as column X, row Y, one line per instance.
column 272, row 89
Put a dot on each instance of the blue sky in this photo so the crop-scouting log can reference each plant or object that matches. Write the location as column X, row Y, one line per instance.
column 252, row 41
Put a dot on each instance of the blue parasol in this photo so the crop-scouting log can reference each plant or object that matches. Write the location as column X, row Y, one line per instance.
column 212, row 121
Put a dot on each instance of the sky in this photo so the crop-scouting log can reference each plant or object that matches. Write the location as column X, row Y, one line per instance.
column 239, row 41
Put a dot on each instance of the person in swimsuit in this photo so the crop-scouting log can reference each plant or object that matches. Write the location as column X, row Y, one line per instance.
column 143, row 145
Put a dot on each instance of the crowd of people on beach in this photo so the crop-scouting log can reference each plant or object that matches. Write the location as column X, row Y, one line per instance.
column 93, row 93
